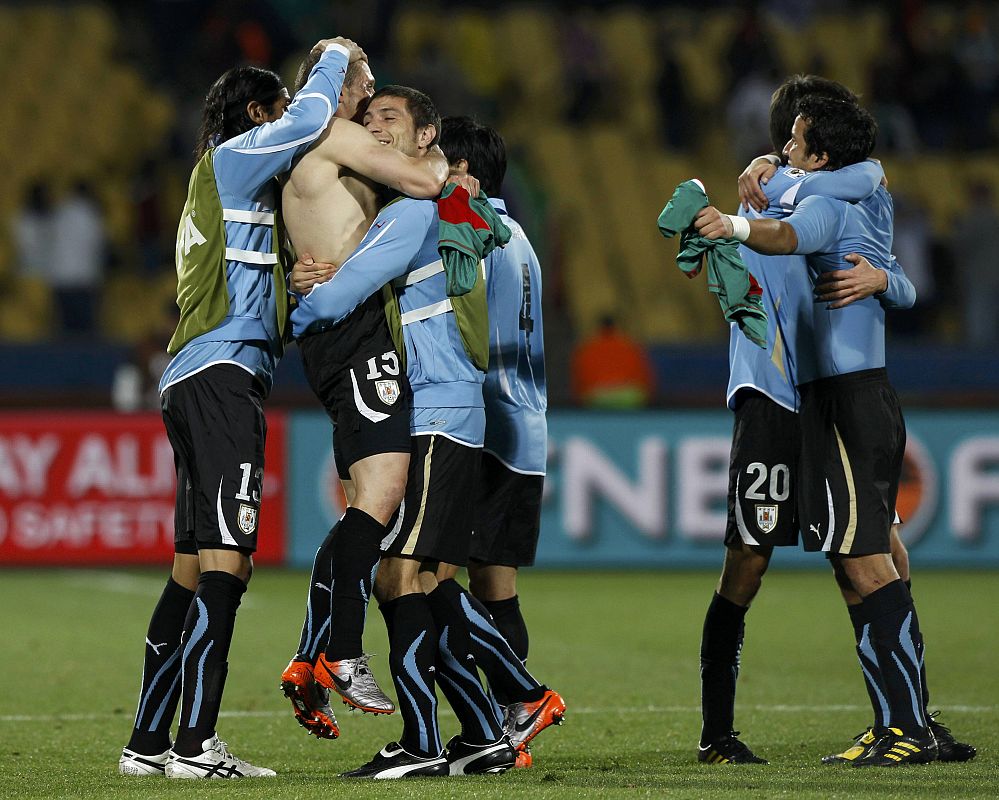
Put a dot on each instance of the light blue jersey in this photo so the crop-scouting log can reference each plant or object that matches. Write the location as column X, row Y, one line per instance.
column 245, row 167
column 852, row 338
column 514, row 391
column 788, row 287
column 401, row 248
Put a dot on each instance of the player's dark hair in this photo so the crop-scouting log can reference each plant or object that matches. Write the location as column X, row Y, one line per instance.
column 841, row 129
column 481, row 146
column 224, row 114
column 784, row 103
column 421, row 108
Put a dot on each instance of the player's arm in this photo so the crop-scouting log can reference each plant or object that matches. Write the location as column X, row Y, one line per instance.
column 851, row 183
column 811, row 228
column 386, row 252
column 246, row 162
column 842, row 287
column 753, row 178
column 767, row 236
column 351, row 146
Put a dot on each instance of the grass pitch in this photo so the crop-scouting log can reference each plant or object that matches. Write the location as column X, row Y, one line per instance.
column 621, row 647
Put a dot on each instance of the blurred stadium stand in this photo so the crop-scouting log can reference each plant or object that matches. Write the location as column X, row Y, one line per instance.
column 605, row 108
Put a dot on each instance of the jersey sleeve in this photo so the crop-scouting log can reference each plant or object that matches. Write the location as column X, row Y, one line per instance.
column 388, row 249
column 816, row 222
column 851, row 183
column 246, row 162
column 900, row 292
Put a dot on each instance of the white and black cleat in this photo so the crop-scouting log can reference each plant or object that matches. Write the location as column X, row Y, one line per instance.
column 214, row 762
column 480, row 759
column 143, row 766
column 392, row 761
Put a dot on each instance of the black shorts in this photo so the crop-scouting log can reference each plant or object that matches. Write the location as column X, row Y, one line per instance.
column 507, row 515
column 435, row 518
column 853, row 441
column 215, row 423
column 355, row 372
column 763, row 474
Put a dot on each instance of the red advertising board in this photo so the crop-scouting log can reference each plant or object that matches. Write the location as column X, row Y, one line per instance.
column 98, row 488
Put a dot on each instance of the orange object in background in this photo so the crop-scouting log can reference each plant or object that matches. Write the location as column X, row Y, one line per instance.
column 612, row 370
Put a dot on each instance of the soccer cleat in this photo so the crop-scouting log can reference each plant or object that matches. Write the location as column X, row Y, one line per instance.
column 862, row 743
column 394, row 762
column 309, row 700
column 948, row 748
column 524, row 757
column 132, row 763
column 524, row 721
column 214, row 762
column 479, row 759
column 351, row 678
column 894, row 749
column 728, row 750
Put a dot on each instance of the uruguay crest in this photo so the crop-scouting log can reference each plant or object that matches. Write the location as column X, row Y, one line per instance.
column 247, row 518
column 766, row 518
column 388, row 391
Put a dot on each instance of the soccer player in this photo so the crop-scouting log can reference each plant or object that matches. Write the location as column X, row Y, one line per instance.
column 853, row 434
column 764, row 381
column 763, row 396
column 428, row 640
column 330, row 199
column 508, row 506
column 233, row 313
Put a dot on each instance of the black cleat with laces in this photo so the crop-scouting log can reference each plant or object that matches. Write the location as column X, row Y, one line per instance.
column 949, row 748
column 728, row 750
column 894, row 749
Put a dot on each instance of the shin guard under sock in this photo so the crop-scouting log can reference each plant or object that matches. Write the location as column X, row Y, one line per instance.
column 721, row 646
column 316, row 628
column 457, row 676
column 508, row 678
column 356, row 550
column 412, row 653
column 510, row 623
column 207, row 636
column 869, row 667
column 894, row 634
column 161, row 671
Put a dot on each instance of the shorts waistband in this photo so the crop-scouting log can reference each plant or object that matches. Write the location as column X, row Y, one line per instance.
column 848, row 380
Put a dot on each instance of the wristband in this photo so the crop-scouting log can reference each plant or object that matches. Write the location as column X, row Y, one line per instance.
column 740, row 227
column 338, row 47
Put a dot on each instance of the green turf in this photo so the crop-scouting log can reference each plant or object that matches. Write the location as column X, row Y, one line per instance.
column 621, row 647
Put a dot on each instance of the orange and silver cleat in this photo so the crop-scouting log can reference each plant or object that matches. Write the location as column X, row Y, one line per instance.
column 524, row 721
column 309, row 700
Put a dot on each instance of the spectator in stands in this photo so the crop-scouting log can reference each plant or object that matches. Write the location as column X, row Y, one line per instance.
column 975, row 244
column 32, row 231
column 79, row 253
column 911, row 246
column 612, row 370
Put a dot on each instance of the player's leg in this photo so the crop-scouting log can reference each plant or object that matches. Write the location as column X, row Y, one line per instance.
column 412, row 637
column 379, row 483
column 762, row 514
column 227, row 464
column 721, row 647
column 495, row 586
column 856, row 426
column 482, row 745
column 149, row 745
column 371, row 448
column 447, row 472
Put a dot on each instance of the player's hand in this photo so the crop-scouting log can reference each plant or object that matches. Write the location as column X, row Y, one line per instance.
column 842, row 287
column 308, row 272
column 759, row 171
column 712, row 224
column 467, row 182
column 354, row 51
